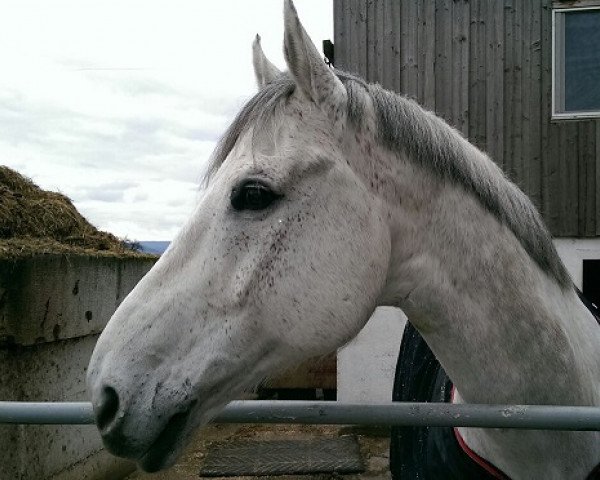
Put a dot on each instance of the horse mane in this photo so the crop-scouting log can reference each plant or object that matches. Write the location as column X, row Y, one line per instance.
column 406, row 128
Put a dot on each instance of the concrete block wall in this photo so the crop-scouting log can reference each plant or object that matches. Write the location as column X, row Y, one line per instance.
column 52, row 309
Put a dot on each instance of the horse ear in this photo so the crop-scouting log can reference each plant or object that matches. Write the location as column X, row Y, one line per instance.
column 315, row 79
column 264, row 70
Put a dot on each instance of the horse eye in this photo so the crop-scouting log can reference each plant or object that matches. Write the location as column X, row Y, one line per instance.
column 252, row 195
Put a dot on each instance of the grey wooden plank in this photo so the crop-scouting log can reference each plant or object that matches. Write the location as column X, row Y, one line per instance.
column 379, row 34
column 563, row 182
column 597, row 166
column 429, row 55
column 535, row 100
column 455, row 67
column 509, row 87
column 581, row 177
column 592, row 185
column 573, row 166
column 553, row 187
column 390, row 51
column 517, row 106
column 477, row 80
column 404, row 46
column 397, row 12
column 547, row 153
column 377, row 40
column 412, row 49
column 402, row 40
column 460, row 65
column 372, row 47
column 587, row 178
column 525, row 48
column 574, row 3
column 359, row 37
column 340, row 32
column 570, row 178
column 495, row 79
column 443, row 63
column 465, row 67
column 420, row 52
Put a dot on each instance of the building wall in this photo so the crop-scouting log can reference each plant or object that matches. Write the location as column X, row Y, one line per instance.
column 485, row 67
column 366, row 365
column 573, row 251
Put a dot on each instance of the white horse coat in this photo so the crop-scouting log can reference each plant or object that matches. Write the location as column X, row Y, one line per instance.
column 328, row 197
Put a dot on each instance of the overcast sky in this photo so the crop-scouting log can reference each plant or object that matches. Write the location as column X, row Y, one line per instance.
column 118, row 104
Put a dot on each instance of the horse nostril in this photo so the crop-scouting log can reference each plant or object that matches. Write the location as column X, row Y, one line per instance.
column 107, row 409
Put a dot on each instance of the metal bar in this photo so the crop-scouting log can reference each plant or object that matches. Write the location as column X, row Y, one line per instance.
column 47, row 413
column 542, row 417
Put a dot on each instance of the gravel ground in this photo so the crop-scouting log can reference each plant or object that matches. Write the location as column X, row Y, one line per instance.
column 374, row 444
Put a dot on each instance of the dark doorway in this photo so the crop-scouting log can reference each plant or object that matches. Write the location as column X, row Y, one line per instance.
column 591, row 281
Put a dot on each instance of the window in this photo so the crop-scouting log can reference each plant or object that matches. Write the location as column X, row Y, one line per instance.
column 576, row 63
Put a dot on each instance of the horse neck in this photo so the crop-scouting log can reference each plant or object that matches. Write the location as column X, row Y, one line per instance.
column 503, row 329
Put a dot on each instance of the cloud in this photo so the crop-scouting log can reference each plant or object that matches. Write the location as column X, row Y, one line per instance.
column 106, row 192
column 170, row 201
column 120, row 104
column 110, row 195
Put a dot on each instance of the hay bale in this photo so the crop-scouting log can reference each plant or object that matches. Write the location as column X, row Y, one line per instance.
column 34, row 221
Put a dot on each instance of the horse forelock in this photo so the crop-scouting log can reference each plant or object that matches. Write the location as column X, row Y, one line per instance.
column 425, row 139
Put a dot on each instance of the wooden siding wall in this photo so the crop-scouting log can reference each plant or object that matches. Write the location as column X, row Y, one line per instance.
column 485, row 66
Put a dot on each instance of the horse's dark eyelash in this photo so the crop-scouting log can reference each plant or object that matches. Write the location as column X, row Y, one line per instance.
column 260, row 181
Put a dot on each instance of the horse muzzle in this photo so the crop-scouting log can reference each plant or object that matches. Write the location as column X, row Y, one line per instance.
column 127, row 433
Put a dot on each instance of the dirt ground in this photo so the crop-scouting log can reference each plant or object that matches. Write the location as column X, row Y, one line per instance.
column 374, row 445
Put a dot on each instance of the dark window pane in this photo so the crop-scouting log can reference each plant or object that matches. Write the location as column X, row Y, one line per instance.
column 582, row 60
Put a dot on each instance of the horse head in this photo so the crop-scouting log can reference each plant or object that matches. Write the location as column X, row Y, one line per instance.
column 284, row 258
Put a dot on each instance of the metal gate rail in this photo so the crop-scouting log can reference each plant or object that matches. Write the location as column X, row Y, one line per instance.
column 542, row 417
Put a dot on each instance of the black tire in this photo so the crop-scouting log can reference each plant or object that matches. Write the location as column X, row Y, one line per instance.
column 425, row 453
